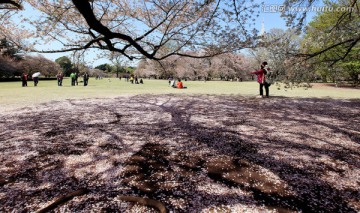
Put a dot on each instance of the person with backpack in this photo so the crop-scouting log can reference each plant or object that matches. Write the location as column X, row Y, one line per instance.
column 261, row 79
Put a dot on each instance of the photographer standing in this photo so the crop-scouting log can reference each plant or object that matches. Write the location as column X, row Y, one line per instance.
column 261, row 79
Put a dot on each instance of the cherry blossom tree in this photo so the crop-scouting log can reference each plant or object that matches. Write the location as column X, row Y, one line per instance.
column 280, row 52
column 32, row 64
column 225, row 66
column 193, row 68
column 145, row 68
column 8, row 67
column 143, row 28
column 230, row 66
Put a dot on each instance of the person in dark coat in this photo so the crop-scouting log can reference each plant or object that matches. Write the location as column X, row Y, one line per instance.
column 136, row 80
column 86, row 79
column 60, row 78
column 36, row 81
column 76, row 78
column 24, row 78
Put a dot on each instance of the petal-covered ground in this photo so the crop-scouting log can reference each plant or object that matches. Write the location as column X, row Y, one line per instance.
column 202, row 153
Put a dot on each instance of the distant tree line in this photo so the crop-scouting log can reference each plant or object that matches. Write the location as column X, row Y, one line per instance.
column 13, row 62
column 104, row 70
column 227, row 66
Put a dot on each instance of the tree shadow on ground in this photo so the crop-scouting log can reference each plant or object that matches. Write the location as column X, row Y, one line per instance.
column 279, row 153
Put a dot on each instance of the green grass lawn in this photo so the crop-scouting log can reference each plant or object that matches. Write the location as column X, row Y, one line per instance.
column 13, row 95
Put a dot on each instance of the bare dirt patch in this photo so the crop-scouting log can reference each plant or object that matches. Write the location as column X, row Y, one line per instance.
column 148, row 153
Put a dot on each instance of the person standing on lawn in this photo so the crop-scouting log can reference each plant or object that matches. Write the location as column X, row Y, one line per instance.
column 24, row 78
column 76, row 78
column 261, row 79
column 72, row 76
column 36, row 81
column 60, row 78
column 86, row 79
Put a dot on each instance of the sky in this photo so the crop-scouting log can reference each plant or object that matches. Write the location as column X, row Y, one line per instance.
column 269, row 18
column 270, row 14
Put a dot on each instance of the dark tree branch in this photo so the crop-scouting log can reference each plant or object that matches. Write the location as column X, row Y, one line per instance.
column 10, row 2
column 351, row 44
column 85, row 9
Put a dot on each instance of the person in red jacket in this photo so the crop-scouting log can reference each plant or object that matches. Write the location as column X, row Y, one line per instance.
column 261, row 74
column 179, row 84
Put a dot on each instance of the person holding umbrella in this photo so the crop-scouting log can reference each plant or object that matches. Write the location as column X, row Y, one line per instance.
column 35, row 77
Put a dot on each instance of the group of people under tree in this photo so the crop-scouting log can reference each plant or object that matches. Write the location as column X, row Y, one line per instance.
column 74, row 78
column 59, row 77
column 134, row 79
column 25, row 78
